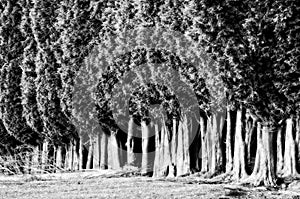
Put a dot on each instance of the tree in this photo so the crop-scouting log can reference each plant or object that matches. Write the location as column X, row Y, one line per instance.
column 11, row 72
column 29, row 102
column 57, row 126
column 245, row 41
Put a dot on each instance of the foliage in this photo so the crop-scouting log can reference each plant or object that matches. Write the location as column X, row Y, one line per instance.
column 57, row 127
column 255, row 44
column 11, row 52
column 30, row 107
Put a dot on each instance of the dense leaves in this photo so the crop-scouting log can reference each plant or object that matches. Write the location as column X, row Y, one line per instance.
column 130, row 61
column 48, row 83
column 30, row 107
column 11, row 52
column 255, row 44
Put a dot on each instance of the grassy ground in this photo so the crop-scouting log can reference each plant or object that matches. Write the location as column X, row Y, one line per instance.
column 110, row 184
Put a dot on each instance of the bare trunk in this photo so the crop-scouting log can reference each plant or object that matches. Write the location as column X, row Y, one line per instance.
column 104, row 151
column 289, row 166
column 204, row 152
column 81, row 148
column 114, row 152
column 214, row 141
column 229, row 160
column 264, row 170
column 279, row 165
column 173, row 149
column 298, row 138
column 96, row 151
column 35, row 159
column 90, row 154
column 146, row 168
column 157, row 161
column 26, row 166
column 219, row 144
column 209, row 147
column 59, row 160
column 70, row 160
column 250, row 126
column 130, row 143
column 185, row 168
column 45, row 155
column 239, row 161
column 165, row 158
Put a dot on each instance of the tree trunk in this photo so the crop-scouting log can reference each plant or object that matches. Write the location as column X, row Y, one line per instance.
column 289, row 165
column 157, row 161
column 250, row 127
column 204, row 144
column 81, row 148
column 279, row 165
column 229, row 160
column 239, row 161
column 35, row 159
column 70, row 159
column 114, row 152
column 104, row 151
column 96, row 151
column 26, row 166
column 59, row 160
column 130, row 143
column 146, row 168
column 214, row 141
column 90, row 154
column 76, row 158
column 45, row 155
column 264, row 169
column 219, row 143
column 186, row 144
column 173, row 149
column 165, row 158
column 298, row 138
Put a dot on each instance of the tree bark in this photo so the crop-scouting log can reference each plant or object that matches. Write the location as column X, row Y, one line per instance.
column 279, row 165
column 186, row 144
column 45, row 155
column 90, row 154
column 130, row 143
column 239, row 161
column 104, row 151
column 173, row 149
column 157, row 161
column 81, row 148
column 204, row 152
column 214, row 141
column 114, row 152
column 35, row 159
column 250, row 127
column 298, row 139
column 219, row 144
column 229, row 160
column 96, row 151
column 264, row 169
column 290, row 162
column 165, row 151
column 59, row 160
column 146, row 168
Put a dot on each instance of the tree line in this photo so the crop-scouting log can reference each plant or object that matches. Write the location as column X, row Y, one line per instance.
column 246, row 51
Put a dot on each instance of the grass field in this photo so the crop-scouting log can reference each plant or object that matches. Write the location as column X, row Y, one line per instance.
column 111, row 184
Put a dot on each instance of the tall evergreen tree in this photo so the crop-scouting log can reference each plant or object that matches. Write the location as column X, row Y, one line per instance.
column 11, row 72
column 48, row 83
column 250, row 41
column 30, row 107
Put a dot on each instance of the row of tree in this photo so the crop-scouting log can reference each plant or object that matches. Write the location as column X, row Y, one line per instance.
column 55, row 52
